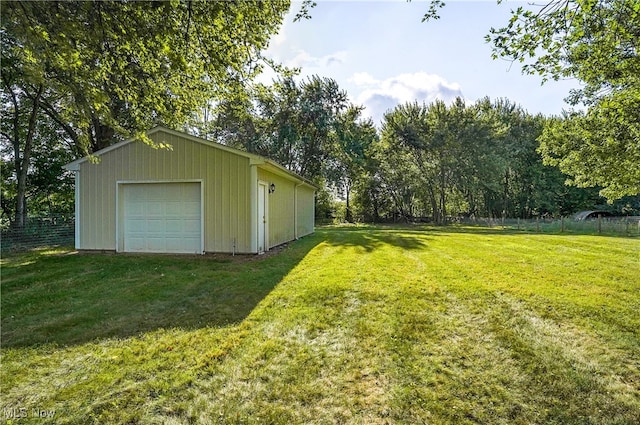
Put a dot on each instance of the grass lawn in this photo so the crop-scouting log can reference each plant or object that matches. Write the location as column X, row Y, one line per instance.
column 362, row 325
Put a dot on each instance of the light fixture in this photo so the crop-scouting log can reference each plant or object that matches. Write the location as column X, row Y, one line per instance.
column 272, row 188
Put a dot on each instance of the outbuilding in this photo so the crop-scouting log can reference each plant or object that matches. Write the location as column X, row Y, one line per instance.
column 197, row 196
column 587, row 215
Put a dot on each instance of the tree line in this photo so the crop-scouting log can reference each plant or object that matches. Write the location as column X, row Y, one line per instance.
column 79, row 76
column 424, row 161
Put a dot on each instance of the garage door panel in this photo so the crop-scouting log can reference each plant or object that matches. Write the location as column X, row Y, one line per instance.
column 175, row 244
column 174, row 225
column 136, row 209
column 136, row 244
column 191, row 226
column 155, row 226
column 154, row 209
column 176, row 209
column 156, row 191
column 154, row 244
column 162, row 217
column 192, row 191
column 194, row 208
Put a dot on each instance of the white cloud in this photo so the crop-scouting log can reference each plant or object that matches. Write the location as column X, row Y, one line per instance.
column 336, row 58
column 305, row 60
column 302, row 58
column 308, row 64
column 363, row 79
column 378, row 96
column 280, row 38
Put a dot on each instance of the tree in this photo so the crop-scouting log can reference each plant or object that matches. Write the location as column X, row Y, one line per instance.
column 347, row 163
column 18, row 124
column 597, row 42
column 33, row 177
column 516, row 182
column 232, row 122
column 451, row 148
column 600, row 147
column 405, row 137
column 105, row 71
column 320, row 103
column 442, row 160
column 118, row 67
column 427, row 135
column 371, row 200
column 296, row 122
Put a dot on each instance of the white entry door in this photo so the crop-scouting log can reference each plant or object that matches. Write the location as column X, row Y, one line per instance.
column 262, row 217
column 162, row 217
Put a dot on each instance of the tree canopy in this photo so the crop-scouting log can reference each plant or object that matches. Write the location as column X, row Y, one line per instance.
column 600, row 147
column 104, row 71
column 595, row 41
column 598, row 43
column 115, row 68
column 441, row 160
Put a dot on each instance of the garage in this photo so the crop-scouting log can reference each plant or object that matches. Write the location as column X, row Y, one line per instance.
column 197, row 196
column 161, row 217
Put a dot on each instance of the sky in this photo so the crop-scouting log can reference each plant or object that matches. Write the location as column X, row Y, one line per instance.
column 382, row 55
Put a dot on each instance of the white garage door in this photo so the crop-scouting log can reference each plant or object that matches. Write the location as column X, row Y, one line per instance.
column 162, row 217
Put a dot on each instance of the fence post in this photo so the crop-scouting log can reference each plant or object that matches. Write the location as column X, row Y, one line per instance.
column 626, row 225
column 518, row 223
column 562, row 224
column 538, row 224
column 599, row 224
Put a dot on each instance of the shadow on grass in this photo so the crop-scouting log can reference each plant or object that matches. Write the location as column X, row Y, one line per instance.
column 513, row 230
column 370, row 238
column 426, row 229
column 65, row 299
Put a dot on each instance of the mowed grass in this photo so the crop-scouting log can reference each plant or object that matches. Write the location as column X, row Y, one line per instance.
column 350, row 325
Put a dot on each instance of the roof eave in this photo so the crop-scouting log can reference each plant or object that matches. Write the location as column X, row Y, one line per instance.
column 290, row 174
column 253, row 158
column 73, row 166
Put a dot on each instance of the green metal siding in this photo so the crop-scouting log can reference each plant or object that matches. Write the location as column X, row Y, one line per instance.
column 281, row 222
column 305, row 209
column 225, row 180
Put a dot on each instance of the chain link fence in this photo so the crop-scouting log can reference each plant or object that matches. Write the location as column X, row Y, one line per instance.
column 60, row 230
column 38, row 232
column 618, row 226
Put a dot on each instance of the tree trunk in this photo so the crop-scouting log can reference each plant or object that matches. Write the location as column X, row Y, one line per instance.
column 102, row 136
column 22, row 162
column 434, row 205
column 348, row 216
column 443, row 196
column 376, row 212
column 51, row 112
column 505, row 194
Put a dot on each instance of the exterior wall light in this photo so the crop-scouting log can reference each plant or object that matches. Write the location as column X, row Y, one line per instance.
column 272, row 188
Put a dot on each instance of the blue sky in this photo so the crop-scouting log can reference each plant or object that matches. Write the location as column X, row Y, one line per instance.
column 382, row 54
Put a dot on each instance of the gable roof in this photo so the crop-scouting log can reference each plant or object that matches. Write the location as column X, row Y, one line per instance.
column 254, row 159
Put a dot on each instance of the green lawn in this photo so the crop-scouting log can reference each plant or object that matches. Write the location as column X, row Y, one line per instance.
column 354, row 325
